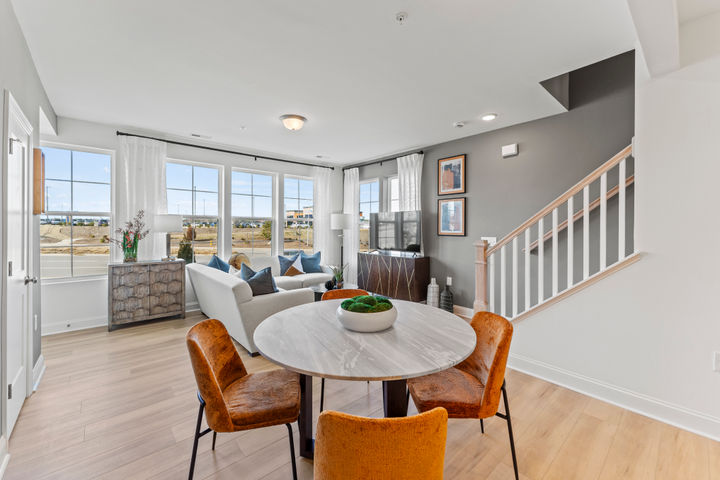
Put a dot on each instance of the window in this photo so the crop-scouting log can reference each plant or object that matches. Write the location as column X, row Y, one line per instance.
column 394, row 194
column 192, row 192
column 74, row 233
column 252, row 213
column 298, row 232
column 369, row 203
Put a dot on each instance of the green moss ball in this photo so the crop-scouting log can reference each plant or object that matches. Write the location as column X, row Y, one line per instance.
column 359, row 307
column 366, row 299
column 381, row 307
column 346, row 303
column 383, row 300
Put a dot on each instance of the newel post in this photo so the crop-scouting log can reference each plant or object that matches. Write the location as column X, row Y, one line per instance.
column 481, row 300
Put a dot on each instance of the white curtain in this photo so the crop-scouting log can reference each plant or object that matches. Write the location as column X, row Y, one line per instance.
column 321, row 213
column 351, row 236
column 141, row 186
column 410, row 181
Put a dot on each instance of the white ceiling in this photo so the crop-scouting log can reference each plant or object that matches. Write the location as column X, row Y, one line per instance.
column 692, row 9
column 369, row 86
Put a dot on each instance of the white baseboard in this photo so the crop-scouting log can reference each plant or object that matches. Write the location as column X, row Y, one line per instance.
column 73, row 325
column 676, row 415
column 38, row 372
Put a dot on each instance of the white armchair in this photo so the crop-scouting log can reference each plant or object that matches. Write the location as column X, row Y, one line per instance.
column 229, row 299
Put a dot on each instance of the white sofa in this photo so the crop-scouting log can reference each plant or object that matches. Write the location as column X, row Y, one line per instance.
column 226, row 297
column 290, row 283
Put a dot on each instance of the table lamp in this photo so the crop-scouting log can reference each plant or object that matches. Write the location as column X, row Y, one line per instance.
column 168, row 224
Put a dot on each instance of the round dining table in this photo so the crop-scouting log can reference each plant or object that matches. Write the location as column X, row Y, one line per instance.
column 309, row 339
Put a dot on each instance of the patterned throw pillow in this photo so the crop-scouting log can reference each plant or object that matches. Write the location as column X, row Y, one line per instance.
column 261, row 283
column 288, row 263
column 311, row 263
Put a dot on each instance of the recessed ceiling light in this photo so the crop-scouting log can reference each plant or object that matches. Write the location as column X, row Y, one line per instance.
column 489, row 117
column 458, row 124
column 293, row 122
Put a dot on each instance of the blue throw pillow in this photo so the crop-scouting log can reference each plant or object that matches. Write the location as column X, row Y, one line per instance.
column 261, row 283
column 286, row 262
column 311, row 263
column 215, row 262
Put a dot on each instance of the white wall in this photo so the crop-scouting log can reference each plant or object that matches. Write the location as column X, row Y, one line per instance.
column 644, row 337
column 85, row 301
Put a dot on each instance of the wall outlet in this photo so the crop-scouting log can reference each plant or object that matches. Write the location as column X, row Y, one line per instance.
column 716, row 362
column 491, row 240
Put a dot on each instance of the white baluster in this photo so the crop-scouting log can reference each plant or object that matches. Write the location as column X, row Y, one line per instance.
column 541, row 260
column 603, row 221
column 515, row 277
column 621, row 210
column 503, row 282
column 586, row 232
column 491, row 282
column 570, row 240
column 555, row 251
column 527, row 269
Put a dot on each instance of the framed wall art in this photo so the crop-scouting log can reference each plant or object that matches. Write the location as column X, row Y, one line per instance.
column 451, row 216
column 451, row 175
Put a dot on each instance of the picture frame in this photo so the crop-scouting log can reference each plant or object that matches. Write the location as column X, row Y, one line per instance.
column 451, row 217
column 451, row 175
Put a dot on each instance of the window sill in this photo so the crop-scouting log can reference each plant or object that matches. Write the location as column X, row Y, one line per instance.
column 64, row 280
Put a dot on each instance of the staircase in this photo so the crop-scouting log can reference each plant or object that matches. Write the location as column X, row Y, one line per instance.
column 536, row 265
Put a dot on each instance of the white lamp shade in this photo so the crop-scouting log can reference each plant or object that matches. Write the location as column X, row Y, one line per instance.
column 340, row 221
column 168, row 223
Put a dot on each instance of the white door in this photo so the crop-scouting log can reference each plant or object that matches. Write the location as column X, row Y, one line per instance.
column 18, row 311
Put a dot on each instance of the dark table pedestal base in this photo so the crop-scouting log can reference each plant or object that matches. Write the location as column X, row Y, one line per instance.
column 394, row 402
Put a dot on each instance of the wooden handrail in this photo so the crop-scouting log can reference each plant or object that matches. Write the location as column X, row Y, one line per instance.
column 579, row 214
column 624, row 153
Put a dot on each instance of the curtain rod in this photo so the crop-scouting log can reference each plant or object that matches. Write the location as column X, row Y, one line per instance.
column 222, row 150
column 387, row 159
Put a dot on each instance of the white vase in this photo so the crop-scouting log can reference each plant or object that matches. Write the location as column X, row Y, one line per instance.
column 433, row 293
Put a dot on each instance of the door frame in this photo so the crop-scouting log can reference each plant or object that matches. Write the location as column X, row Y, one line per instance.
column 12, row 110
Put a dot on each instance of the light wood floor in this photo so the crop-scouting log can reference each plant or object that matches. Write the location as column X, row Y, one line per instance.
column 122, row 405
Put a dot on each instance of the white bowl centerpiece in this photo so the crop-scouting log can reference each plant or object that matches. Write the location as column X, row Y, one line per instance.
column 366, row 313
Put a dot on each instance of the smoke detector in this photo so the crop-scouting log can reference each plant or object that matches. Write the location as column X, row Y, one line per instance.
column 458, row 124
column 400, row 17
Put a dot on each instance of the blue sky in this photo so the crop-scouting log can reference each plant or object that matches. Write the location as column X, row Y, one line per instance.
column 86, row 168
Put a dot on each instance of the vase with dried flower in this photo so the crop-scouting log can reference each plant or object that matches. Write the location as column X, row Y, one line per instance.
column 130, row 236
column 339, row 275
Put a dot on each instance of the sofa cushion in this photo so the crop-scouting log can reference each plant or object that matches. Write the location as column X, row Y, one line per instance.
column 310, row 279
column 311, row 263
column 289, row 283
column 216, row 262
column 261, row 283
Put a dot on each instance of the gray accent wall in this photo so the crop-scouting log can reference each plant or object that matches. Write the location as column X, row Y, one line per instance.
column 555, row 153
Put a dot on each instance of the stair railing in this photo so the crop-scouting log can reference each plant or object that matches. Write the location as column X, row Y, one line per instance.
column 491, row 258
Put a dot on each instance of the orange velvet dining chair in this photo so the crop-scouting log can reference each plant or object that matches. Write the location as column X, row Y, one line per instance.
column 337, row 294
column 472, row 389
column 357, row 448
column 233, row 399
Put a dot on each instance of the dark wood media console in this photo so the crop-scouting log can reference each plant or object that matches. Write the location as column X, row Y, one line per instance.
column 396, row 276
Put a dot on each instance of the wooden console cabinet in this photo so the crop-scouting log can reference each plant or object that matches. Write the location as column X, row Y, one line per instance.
column 144, row 291
column 395, row 276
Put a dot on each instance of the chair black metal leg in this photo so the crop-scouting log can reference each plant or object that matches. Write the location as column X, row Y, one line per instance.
column 482, row 426
column 197, row 438
column 292, row 451
column 322, row 394
column 510, row 431
column 214, row 438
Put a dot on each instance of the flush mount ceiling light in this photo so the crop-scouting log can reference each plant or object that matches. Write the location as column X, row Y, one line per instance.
column 489, row 117
column 293, row 122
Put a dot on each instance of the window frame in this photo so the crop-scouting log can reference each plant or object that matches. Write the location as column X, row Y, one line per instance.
column 111, row 215
column 273, row 195
column 298, row 198
column 220, row 193
column 390, row 192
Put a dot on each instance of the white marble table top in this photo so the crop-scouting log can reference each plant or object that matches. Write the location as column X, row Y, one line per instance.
column 309, row 339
